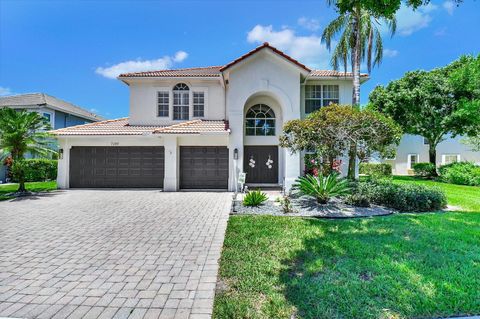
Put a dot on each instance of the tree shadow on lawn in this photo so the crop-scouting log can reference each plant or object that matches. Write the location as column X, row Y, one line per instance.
column 399, row 266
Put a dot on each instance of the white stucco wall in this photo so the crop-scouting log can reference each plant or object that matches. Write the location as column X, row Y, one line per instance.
column 413, row 144
column 143, row 99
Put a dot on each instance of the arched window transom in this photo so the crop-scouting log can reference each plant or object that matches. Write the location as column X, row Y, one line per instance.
column 181, row 94
column 260, row 121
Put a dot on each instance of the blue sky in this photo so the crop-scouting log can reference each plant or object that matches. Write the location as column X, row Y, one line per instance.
column 72, row 49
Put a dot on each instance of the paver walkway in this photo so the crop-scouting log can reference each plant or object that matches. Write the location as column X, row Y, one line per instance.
column 111, row 254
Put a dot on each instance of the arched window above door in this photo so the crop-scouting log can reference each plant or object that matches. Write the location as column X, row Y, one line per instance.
column 260, row 121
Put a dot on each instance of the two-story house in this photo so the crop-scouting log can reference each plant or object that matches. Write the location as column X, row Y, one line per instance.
column 198, row 128
column 59, row 113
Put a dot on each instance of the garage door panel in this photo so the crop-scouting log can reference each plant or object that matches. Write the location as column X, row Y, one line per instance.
column 117, row 166
column 204, row 167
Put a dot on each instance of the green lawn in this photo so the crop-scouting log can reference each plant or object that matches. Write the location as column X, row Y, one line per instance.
column 32, row 186
column 399, row 266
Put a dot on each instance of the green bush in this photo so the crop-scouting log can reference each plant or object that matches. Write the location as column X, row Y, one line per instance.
column 462, row 173
column 38, row 170
column 376, row 170
column 254, row 198
column 322, row 187
column 402, row 197
column 425, row 170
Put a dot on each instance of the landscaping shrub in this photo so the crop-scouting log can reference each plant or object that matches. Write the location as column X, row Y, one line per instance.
column 402, row 197
column 462, row 173
column 38, row 170
column 322, row 187
column 425, row 170
column 376, row 170
column 254, row 198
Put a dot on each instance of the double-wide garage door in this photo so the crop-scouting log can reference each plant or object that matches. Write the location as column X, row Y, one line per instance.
column 203, row 167
column 129, row 166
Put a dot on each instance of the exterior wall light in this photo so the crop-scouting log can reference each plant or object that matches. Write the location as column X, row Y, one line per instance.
column 60, row 153
column 235, row 154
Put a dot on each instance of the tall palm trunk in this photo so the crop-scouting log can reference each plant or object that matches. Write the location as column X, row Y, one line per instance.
column 356, row 57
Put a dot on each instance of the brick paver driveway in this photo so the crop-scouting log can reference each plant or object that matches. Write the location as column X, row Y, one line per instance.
column 111, row 254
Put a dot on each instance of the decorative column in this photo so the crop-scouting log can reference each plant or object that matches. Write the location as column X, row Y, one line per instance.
column 63, row 166
column 170, row 182
column 292, row 168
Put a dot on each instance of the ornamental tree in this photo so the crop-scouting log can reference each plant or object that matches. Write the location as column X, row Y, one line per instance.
column 331, row 131
column 433, row 103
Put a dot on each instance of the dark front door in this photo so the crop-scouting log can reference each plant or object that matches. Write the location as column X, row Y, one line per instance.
column 261, row 164
column 129, row 166
column 203, row 167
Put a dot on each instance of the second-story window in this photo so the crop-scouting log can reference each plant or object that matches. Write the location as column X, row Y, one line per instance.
column 198, row 104
column 181, row 101
column 162, row 104
column 317, row 96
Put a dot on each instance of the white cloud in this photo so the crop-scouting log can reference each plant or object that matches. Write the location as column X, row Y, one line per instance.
column 5, row 91
column 180, row 56
column 390, row 53
column 449, row 6
column 165, row 62
column 410, row 21
column 307, row 49
column 309, row 24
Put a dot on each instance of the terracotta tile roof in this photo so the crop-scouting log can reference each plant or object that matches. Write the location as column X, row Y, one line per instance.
column 121, row 127
column 333, row 73
column 216, row 71
column 263, row 46
column 209, row 71
column 195, row 127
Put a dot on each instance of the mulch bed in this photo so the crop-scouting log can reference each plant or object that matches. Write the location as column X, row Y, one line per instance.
column 308, row 207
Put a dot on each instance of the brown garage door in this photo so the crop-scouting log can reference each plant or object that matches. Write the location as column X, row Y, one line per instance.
column 203, row 167
column 132, row 166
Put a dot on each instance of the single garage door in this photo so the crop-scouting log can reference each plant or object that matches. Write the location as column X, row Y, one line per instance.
column 203, row 167
column 129, row 166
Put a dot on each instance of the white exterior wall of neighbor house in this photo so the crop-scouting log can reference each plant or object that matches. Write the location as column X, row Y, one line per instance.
column 143, row 99
column 414, row 145
column 268, row 77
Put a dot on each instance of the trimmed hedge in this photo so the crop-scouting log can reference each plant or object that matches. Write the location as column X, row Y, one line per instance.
column 402, row 197
column 425, row 170
column 376, row 170
column 461, row 173
column 39, row 170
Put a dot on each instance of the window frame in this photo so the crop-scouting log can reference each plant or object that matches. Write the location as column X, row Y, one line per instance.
column 409, row 160
column 51, row 121
column 167, row 93
column 444, row 157
column 195, row 104
column 255, row 119
column 322, row 98
column 183, row 94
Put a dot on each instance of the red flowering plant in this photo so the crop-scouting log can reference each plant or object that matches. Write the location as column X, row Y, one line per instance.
column 313, row 165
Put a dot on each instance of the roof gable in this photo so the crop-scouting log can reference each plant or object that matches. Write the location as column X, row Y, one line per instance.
column 266, row 45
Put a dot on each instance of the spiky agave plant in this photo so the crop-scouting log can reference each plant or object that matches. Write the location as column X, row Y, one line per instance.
column 322, row 188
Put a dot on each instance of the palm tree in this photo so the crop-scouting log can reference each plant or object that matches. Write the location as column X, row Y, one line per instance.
column 23, row 132
column 360, row 40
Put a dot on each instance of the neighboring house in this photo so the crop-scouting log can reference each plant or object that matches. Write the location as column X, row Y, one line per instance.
column 198, row 128
column 414, row 149
column 59, row 113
